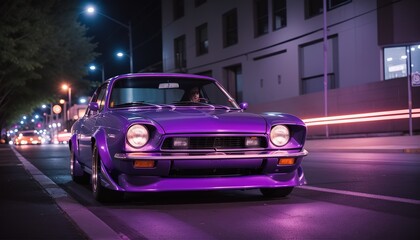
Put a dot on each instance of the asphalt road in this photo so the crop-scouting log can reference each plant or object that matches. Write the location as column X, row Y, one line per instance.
column 348, row 196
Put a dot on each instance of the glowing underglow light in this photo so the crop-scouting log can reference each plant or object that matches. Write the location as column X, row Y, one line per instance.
column 363, row 117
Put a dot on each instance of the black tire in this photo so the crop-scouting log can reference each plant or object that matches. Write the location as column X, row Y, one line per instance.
column 77, row 174
column 276, row 192
column 101, row 193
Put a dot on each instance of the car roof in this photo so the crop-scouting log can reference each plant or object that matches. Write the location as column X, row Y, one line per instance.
column 175, row 75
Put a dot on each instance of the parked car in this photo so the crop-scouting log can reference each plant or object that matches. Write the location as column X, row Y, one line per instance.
column 28, row 137
column 143, row 133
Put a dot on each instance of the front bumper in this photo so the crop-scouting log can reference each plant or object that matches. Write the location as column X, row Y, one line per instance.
column 212, row 155
column 266, row 173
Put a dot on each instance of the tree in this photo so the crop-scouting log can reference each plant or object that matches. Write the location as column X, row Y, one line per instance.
column 41, row 45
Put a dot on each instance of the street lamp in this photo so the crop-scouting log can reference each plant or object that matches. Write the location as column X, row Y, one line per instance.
column 67, row 87
column 121, row 54
column 93, row 68
column 92, row 10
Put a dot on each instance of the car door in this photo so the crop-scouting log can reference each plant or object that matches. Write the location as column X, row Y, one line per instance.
column 87, row 126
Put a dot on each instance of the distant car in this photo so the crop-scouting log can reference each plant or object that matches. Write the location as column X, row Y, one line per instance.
column 63, row 137
column 142, row 133
column 29, row 137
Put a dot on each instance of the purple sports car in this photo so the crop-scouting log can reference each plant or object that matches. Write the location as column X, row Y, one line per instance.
column 175, row 132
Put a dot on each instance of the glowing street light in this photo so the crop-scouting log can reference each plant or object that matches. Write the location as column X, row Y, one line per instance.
column 93, row 68
column 91, row 10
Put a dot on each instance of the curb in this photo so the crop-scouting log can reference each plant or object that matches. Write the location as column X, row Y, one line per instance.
column 88, row 223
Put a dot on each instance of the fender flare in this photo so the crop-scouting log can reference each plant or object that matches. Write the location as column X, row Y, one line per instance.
column 99, row 138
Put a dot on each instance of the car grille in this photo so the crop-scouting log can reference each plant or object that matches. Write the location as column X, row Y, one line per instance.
column 217, row 172
column 225, row 142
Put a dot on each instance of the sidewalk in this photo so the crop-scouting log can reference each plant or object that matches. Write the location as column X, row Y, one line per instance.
column 396, row 144
column 27, row 210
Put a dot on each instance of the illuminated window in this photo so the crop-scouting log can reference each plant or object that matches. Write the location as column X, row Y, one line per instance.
column 396, row 60
column 415, row 58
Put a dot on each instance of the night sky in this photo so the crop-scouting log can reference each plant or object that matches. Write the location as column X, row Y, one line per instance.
column 145, row 17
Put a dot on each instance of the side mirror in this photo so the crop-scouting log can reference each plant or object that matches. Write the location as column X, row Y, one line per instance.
column 243, row 105
column 93, row 106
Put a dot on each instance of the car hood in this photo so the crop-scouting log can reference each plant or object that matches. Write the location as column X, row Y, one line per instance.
column 200, row 120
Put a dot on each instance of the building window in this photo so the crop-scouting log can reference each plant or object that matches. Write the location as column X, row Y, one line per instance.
column 202, row 39
column 316, row 83
column 261, row 17
column 336, row 3
column 279, row 14
column 180, row 53
column 198, row 3
column 397, row 59
column 230, row 28
column 178, row 6
column 315, row 7
column 234, row 82
column 311, row 66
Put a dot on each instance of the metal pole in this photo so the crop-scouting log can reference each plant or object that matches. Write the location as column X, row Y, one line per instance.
column 130, row 39
column 131, row 46
column 69, row 97
column 325, row 66
column 410, row 103
column 103, row 73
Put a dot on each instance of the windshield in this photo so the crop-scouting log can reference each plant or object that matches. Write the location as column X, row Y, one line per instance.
column 152, row 91
column 27, row 134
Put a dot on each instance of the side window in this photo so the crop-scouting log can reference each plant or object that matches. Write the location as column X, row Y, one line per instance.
column 101, row 98
column 98, row 97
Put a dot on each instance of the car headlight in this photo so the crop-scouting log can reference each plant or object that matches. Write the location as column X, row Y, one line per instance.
column 137, row 136
column 279, row 135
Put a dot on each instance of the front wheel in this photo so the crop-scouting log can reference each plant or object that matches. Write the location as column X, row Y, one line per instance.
column 276, row 192
column 101, row 193
column 76, row 171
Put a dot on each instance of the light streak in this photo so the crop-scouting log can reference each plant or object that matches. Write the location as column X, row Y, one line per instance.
column 363, row 117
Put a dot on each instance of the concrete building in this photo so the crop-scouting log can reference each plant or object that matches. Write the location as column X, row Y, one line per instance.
column 270, row 53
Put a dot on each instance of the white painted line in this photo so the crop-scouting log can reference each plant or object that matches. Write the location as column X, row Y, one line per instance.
column 88, row 222
column 366, row 195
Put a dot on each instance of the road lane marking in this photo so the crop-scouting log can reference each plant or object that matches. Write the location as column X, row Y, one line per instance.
column 366, row 195
column 88, row 222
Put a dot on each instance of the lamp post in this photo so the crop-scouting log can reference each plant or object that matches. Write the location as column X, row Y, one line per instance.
column 67, row 87
column 92, row 10
column 325, row 45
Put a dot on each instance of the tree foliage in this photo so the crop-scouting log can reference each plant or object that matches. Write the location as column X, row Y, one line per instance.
column 42, row 44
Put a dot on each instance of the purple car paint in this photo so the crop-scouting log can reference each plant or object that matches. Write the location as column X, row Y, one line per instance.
column 142, row 133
